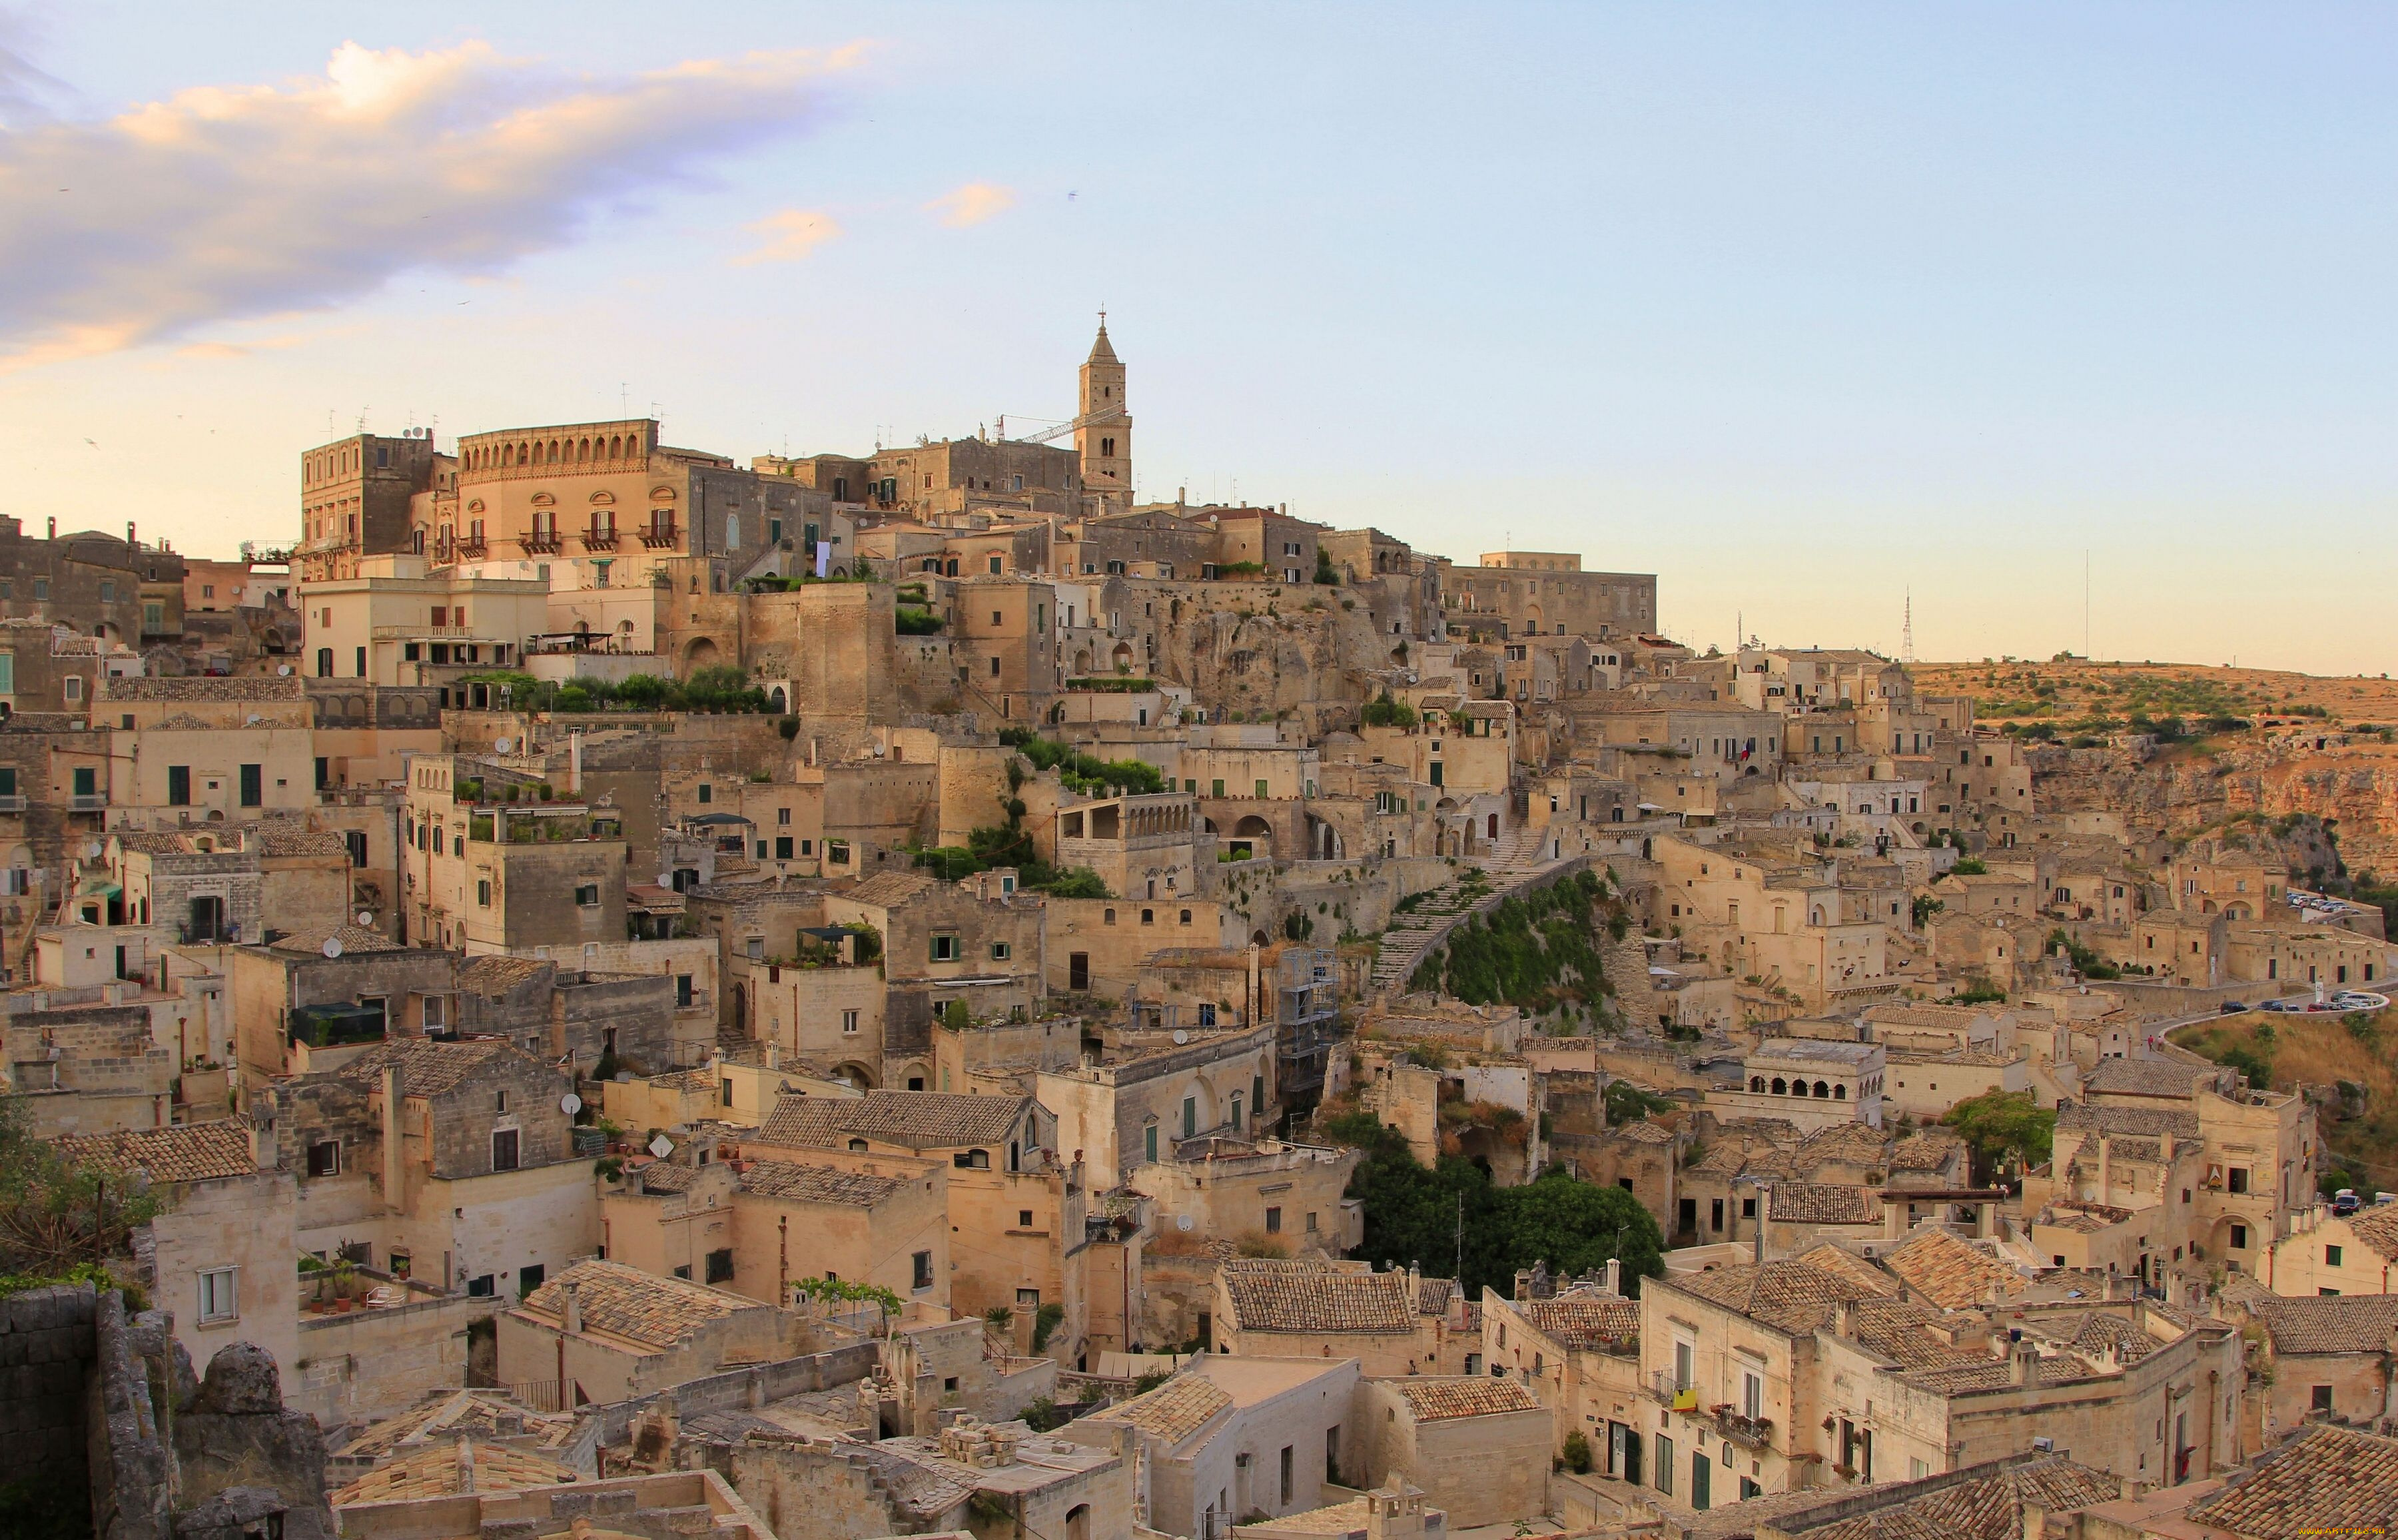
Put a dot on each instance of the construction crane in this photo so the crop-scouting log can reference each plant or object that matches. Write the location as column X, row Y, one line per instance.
column 1059, row 431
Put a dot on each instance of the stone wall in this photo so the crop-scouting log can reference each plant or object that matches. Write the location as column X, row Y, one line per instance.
column 48, row 1349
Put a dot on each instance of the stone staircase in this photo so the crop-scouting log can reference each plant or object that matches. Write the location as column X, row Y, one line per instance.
column 1413, row 936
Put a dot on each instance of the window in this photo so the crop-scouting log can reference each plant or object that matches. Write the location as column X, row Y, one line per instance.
column 1686, row 1362
column 1149, row 1143
column 849, row 1022
column 1000, row 952
column 945, row 949
column 1752, row 1394
column 499, row 1101
column 2331, row 1256
column 219, row 1294
column 481, row 1287
column 2237, row 1179
column 2240, row 1237
column 921, row 1272
column 1024, row 1219
column 783, row 846
column 179, row 785
column 483, row 892
column 2319, row 1398
column 707, row 793
column 325, row 1157
column 504, row 1149
column 587, row 895
column 253, row 786
column 1286, row 1473
column 1190, row 1117
column 725, row 1091
column 971, row 1160
column 1274, row 1221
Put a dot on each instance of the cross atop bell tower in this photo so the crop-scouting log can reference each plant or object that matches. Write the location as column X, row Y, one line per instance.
column 1103, row 426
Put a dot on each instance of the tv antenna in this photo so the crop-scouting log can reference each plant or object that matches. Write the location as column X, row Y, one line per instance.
column 1906, row 631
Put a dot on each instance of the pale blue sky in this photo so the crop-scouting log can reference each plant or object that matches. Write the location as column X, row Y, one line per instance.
column 1796, row 309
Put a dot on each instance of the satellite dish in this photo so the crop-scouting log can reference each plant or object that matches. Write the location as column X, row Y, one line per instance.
column 91, row 851
column 665, row 879
column 332, row 946
column 1181, row 1036
column 284, row 670
column 1182, row 1221
column 500, row 744
column 662, row 1146
column 253, row 720
column 570, row 1104
column 365, row 917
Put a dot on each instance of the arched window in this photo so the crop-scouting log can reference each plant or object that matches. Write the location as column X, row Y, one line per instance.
column 1839, row 1093
column 1822, row 1089
column 1756, row 1082
column 731, row 531
column 1780, row 1086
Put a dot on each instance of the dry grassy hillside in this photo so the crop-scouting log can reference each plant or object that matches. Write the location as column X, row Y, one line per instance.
column 2072, row 691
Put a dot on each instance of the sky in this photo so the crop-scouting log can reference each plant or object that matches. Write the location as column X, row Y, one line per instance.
column 1807, row 310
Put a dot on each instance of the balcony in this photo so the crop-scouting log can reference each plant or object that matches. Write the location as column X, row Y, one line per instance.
column 661, row 536
column 474, row 549
column 12, row 805
column 1661, row 1389
column 696, row 1000
column 88, row 801
column 1730, row 1425
column 541, row 543
column 600, row 540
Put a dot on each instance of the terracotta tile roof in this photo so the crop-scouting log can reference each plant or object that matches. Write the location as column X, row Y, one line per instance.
column 1952, row 1274
column 918, row 1119
column 1853, row 1144
column 1822, row 1203
column 667, row 1176
column 1926, row 1152
column 640, row 1307
column 287, row 840
column 2378, row 1229
column 1789, row 1296
column 2354, row 1323
column 1319, row 1301
column 1989, row 1507
column 497, row 975
column 2083, row 1218
column 1174, row 1410
column 1641, row 1132
column 437, row 1471
column 428, row 1068
column 2147, row 1078
column 1896, row 1330
column 2180, row 1122
column 353, row 938
column 1592, row 1321
column 817, row 1185
column 1854, row 1268
column 1434, row 1400
column 185, row 1152
column 2100, row 1332
column 889, row 889
column 2326, row 1481
column 455, row 1411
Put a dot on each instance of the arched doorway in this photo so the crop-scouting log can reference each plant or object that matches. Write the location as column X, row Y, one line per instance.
column 1252, row 837
column 701, row 653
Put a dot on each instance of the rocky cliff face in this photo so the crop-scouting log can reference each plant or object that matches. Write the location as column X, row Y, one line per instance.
column 1312, row 662
column 2355, row 788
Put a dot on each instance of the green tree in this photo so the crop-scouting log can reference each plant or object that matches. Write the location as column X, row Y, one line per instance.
column 56, row 1216
column 1577, row 1226
column 1628, row 1103
column 1997, row 1126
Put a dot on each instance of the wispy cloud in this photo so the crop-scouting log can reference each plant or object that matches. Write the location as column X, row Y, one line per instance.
column 971, row 204
column 788, row 235
column 223, row 203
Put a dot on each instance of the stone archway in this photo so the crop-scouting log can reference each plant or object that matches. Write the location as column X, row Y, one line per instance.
column 1257, row 835
column 701, row 653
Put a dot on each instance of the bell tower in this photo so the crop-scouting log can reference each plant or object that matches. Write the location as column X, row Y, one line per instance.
column 1104, row 438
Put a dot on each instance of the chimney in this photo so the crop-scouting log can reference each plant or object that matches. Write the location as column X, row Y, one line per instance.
column 394, row 1197
column 573, row 1308
column 1615, row 1276
column 1843, row 1319
column 2020, row 1362
column 54, row 526
column 128, row 534
column 465, row 1463
column 2103, row 1157
column 2035, row 1522
column 574, row 764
